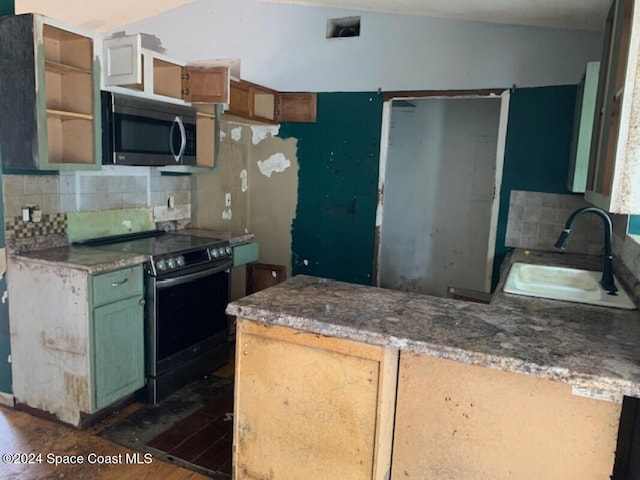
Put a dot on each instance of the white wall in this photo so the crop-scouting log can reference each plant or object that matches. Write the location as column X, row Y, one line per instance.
column 437, row 195
column 284, row 47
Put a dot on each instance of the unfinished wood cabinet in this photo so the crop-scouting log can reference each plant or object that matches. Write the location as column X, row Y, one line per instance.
column 310, row 406
column 613, row 181
column 262, row 104
column 462, row 421
column 49, row 95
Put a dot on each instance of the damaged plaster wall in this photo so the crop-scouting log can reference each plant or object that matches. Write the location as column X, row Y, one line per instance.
column 210, row 189
column 260, row 171
column 273, row 175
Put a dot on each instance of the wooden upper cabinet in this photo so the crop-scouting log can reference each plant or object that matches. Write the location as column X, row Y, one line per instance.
column 255, row 102
column 613, row 181
column 155, row 75
column 297, row 107
column 205, row 84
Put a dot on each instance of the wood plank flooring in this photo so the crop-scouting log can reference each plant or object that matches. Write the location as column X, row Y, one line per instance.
column 203, row 439
column 24, row 433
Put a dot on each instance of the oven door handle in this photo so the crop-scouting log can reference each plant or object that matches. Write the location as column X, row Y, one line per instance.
column 169, row 282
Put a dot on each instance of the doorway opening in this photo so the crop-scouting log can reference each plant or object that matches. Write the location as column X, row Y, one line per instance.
column 440, row 173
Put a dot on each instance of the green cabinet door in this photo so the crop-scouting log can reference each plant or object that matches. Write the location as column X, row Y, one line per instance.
column 118, row 350
column 117, row 335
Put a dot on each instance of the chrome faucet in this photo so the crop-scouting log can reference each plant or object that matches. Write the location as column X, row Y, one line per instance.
column 607, row 268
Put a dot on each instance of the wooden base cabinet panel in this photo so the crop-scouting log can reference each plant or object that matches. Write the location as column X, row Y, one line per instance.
column 456, row 421
column 308, row 406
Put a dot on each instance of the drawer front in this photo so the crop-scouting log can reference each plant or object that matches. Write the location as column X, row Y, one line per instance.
column 246, row 253
column 112, row 286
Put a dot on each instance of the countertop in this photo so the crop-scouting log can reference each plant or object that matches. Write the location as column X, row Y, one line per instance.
column 89, row 259
column 95, row 261
column 595, row 349
column 233, row 238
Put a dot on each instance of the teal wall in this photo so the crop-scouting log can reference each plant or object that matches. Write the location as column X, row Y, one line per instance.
column 5, row 341
column 7, row 7
column 634, row 224
column 338, row 156
column 537, row 148
column 334, row 228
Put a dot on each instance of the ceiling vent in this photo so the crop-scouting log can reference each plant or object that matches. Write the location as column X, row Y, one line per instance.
column 343, row 27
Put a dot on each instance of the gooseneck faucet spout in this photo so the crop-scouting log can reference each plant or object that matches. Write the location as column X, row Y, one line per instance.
column 607, row 261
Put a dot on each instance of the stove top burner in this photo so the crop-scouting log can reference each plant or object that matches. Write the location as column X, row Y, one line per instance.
column 169, row 252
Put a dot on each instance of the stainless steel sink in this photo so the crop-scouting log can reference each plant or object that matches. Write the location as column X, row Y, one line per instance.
column 563, row 283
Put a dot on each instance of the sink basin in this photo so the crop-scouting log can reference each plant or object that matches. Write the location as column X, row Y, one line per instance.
column 563, row 283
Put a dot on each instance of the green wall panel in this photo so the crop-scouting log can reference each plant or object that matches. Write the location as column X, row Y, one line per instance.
column 537, row 149
column 338, row 155
column 7, row 7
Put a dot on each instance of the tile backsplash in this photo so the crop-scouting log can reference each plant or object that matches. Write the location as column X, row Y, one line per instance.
column 112, row 188
column 536, row 219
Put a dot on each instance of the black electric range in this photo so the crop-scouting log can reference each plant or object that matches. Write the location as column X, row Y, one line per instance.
column 186, row 294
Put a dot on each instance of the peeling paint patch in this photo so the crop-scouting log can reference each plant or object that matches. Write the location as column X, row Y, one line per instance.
column 277, row 163
column 127, row 224
column 223, row 135
column 226, row 214
column 236, row 134
column 243, row 180
column 260, row 132
column 5, row 295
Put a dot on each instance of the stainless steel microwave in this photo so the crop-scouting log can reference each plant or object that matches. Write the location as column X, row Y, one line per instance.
column 138, row 131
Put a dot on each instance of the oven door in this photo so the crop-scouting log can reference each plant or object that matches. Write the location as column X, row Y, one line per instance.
column 186, row 318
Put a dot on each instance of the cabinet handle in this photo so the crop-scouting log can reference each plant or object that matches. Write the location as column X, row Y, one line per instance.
column 141, row 302
column 117, row 284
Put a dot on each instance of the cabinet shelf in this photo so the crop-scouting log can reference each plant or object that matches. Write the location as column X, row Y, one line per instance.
column 63, row 69
column 61, row 114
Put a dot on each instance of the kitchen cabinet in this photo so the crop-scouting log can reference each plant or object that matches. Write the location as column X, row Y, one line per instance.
column 141, row 71
column 583, row 128
column 78, row 345
column 49, row 95
column 314, row 406
column 133, row 70
column 116, row 332
column 613, row 182
column 262, row 104
column 465, row 421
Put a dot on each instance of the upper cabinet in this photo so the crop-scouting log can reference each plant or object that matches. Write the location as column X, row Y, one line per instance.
column 583, row 128
column 49, row 95
column 141, row 71
column 262, row 104
column 613, row 181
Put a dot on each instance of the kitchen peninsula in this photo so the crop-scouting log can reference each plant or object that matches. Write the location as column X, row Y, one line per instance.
column 334, row 377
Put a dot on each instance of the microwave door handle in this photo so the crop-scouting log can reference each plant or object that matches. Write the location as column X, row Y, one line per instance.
column 183, row 139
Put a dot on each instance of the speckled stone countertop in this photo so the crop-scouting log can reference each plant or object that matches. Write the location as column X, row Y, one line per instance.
column 594, row 348
column 89, row 259
column 234, row 239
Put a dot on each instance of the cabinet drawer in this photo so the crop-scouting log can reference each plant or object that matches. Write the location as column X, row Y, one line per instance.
column 118, row 284
column 246, row 253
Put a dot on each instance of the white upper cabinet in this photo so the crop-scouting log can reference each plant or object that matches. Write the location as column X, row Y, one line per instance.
column 122, row 58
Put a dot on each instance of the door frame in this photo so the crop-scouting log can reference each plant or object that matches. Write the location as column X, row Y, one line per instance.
column 504, row 95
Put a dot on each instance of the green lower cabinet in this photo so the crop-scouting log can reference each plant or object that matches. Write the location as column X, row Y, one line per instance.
column 117, row 339
column 245, row 253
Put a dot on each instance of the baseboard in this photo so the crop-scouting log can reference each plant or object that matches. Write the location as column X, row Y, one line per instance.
column 7, row 399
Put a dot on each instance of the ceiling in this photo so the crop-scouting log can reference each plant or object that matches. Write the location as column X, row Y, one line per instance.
column 570, row 14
